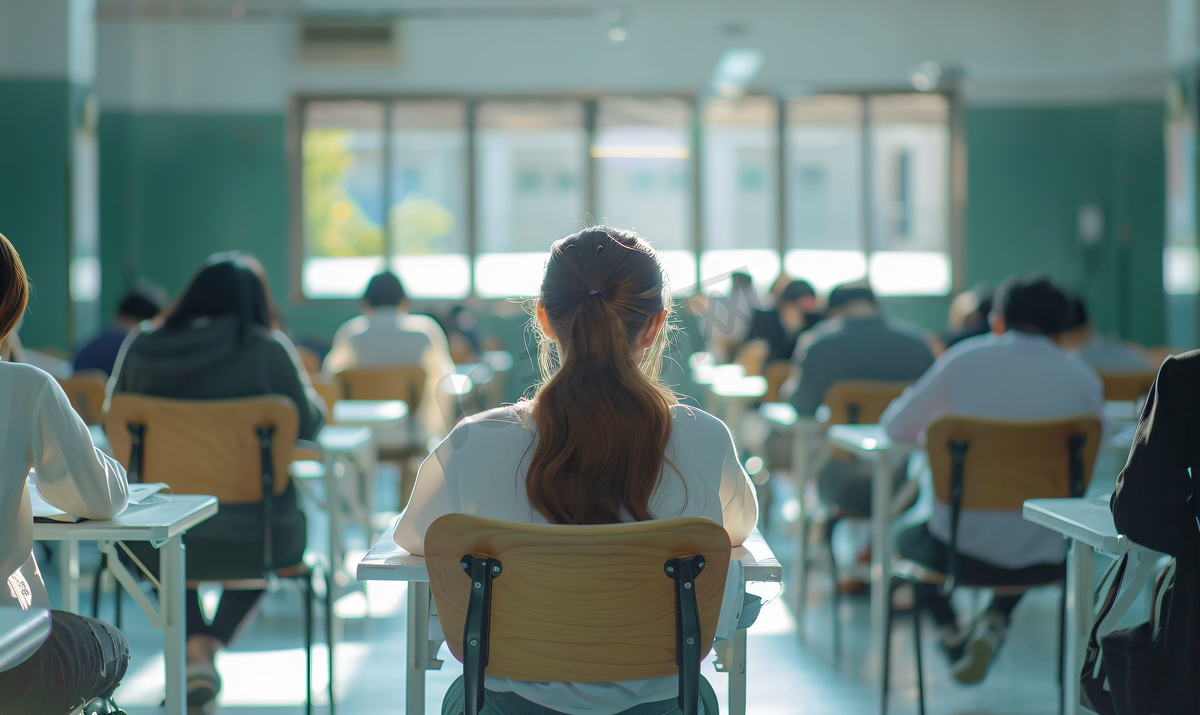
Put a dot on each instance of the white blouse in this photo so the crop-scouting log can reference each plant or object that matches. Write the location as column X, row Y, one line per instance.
column 480, row 470
column 40, row 430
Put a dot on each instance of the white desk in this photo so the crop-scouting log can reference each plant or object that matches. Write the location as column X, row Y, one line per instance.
column 369, row 412
column 388, row 562
column 346, row 490
column 1088, row 524
column 162, row 519
column 21, row 633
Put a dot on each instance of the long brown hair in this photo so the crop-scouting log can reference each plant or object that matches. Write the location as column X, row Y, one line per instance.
column 14, row 287
column 603, row 419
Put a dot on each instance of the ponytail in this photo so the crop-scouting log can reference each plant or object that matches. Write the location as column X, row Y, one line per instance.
column 602, row 415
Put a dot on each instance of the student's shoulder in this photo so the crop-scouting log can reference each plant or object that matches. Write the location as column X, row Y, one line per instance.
column 23, row 373
column 698, row 425
column 354, row 326
column 505, row 422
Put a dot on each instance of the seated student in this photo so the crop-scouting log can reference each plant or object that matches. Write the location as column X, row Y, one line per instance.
column 387, row 334
column 855, row 343
column 727, row 318
column 100, row 352
column 968, row 315
column 1019, row 372
column 1156, row 505
column 1103, row 353
column 603, row 441
column 794, row 312
column 218, row 343
column 83, row 659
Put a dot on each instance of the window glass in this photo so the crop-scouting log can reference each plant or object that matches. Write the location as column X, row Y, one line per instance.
column 342, row 154
column 530, row 189
column 740, row 194
column 427, row 215
column 643, row 165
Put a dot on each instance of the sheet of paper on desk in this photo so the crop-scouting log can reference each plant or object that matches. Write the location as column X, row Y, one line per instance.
column 45, row 511
column 141, row 493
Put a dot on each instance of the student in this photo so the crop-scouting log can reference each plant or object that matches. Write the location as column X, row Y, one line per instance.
column 968, row 315
column 386, row 334
column 602, row 441
column 794, row 312
column 100, row 352
column 855, row 343
column 218, row 343
column 1155, row 505
column 728, row 318
column 83, row 659
column 1018, row 372
column 1103, row 353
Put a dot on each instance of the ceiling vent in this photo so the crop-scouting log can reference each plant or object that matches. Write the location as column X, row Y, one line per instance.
column 349, row 42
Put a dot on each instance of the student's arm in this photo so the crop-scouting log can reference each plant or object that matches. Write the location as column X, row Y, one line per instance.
column 292, row 381
column 1153, row 501
column 739, row 500
column 70, row 472
column 429, row 500
column 341, row 355
column 911, row 412
column 437, row 364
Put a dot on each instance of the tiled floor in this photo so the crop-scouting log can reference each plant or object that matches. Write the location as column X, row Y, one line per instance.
column 264, row 671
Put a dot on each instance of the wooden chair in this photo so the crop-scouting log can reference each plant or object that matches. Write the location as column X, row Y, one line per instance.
column 551, row 603
column 1127, row 386
column 776, row 372
column 994, row 465
column 237, row 450
column 310, row 358
column 329, row 389
column 850, row 402
column 86, row 393
column 752, row 355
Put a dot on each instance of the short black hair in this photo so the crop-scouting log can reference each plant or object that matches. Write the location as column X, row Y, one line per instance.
column 1033, row 304
column 384, row 291
column 797, row 290
column 851, row 292
column 138, row 305
column 1079, row 314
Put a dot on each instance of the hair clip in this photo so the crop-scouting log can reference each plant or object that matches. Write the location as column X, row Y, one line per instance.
column 599, row 247
column 595, row 292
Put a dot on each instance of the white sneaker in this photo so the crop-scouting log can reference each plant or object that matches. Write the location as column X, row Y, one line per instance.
column 985, row 642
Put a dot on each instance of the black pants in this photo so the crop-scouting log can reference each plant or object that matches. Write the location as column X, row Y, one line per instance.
column 83, row 659
column 233, row 611
column 926, row 549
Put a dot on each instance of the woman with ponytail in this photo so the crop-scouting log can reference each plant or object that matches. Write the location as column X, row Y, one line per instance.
column 603, row 441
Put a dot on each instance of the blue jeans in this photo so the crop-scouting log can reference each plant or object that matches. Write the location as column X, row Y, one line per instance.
column 512, row 704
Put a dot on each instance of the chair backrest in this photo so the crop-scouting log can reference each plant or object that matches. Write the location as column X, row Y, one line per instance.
column 397, row 382
column 1127, row 386
column 752, row 355
column 204, row 446
column 577, row 603
column 86, row 394
column 1006, row 462
column 860, row 402
column 310, row 358
column 776, row 373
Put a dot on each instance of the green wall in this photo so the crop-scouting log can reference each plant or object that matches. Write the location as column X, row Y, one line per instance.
column 35, row 130
column 176, row 188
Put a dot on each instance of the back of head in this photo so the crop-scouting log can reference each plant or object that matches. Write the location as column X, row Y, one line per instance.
column 228, row 284
column 603, row 419
column 797, row 290
column 14, row 287
column 856, row 294
column 137, row 306
column 1033, row 304
column 384, row 291
column 1079, row 315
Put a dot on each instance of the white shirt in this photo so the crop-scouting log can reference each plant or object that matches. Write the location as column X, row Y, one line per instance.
column 1014, row 376
column 388, row 337
column 39, row 430
column 480, row 470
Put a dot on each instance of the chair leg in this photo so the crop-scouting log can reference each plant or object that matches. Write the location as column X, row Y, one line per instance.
column 96, row 585
column 117, row 602
column 329, row 632
column 308, row 643
column 836, row 598
column 802, row 575
column 916, row 615
column 886, row 659
column 1062, row 648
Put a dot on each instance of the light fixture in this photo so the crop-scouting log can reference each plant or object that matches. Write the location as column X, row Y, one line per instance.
column 735, row 70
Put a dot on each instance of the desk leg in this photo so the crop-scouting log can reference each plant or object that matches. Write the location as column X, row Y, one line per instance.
column 68, row 569
column 737, row 674
column 418, row 647
column 800, row 440
column 333, row 500
column 1080, row 581
column 171, row 575
column 881, row 556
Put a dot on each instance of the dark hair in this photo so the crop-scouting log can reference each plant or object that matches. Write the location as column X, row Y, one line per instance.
column 384, row 291
column 1033, row 304
column 797, row 290
column 851, row 292
column 227, row 283
column 603, row 420
column 14, row 287
column 136, row 305
column 1079, row 315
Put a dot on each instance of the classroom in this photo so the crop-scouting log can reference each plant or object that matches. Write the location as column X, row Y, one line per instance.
column 553, row 357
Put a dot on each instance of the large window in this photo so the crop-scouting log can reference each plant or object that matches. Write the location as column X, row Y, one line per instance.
column 463, row 196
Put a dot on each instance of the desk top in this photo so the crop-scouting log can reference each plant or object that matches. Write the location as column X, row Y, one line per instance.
column 1086, row 520
column 157, row 518
column 739, row 385
column 21, row 633
column 337, row 438
column 388, row 562
column 364, row 412
column 866, row 441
